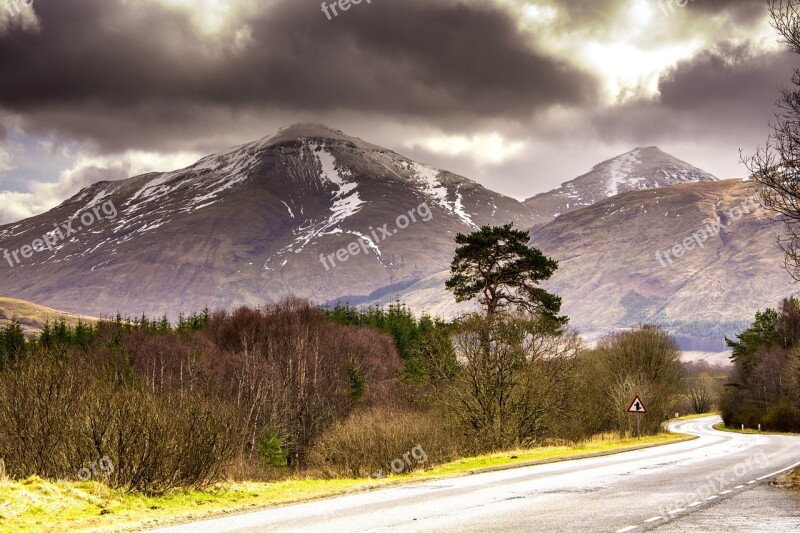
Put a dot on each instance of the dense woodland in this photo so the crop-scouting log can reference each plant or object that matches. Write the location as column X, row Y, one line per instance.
column 287, row 388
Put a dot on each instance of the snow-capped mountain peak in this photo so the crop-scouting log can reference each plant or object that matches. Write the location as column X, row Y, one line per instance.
column 249, row 225
column 642, row 168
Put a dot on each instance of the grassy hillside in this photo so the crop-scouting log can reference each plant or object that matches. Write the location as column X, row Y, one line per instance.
column 32, row 316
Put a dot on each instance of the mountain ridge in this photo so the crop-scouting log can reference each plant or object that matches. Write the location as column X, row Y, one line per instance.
column 310, row 211
column 645, row 167
column 248, row 226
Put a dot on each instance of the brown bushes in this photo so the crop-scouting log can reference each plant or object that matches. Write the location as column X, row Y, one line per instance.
column 643, row 362
column 244, row 395
column 61, row 415
column 40, row 400
column 185, row 408
column 368, row 441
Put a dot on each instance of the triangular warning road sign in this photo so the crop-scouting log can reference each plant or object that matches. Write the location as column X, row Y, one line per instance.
column 637, row 406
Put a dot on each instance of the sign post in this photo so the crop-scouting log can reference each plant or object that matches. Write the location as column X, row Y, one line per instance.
column 637, row 407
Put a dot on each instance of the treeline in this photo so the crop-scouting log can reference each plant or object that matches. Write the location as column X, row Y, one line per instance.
column 765, row 385
column 258, row 393
column 423, row 344
column 702, row 335
column 505, row 382
column 221, row 395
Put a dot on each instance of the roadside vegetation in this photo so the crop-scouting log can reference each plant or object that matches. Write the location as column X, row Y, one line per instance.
column 35, row 504
column 766, row 377
column 764, row 388
column 289, row 393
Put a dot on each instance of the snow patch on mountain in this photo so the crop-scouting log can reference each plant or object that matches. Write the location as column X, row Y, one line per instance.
column 642, row 168
column 428, row 178
column 347, row 201
column 430, row 185
column 620, row 170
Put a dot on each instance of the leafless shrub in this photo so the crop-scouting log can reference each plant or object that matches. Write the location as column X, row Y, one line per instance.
column 369, row 440
column 644, row 363
column 40, row 399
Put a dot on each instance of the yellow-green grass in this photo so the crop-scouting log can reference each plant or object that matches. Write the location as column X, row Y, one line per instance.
column 38, row 505
column 692, row 417
column 600, row 445
column 31, row 314
column 749, row 431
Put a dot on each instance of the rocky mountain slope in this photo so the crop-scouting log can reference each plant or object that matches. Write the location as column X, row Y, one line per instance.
column 248, row 226
column 634, row 259
column 315, row 213
column 639, row 169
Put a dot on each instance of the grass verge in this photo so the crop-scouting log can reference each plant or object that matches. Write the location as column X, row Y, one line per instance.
column 722, row 427
column 692, row 417
column 35, row 504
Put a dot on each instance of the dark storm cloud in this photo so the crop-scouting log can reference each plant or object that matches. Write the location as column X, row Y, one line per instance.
column 127, row 74
column 730, row 76
column 729, row 91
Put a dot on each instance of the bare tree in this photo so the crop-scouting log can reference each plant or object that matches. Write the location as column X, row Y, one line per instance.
column 776, row 165
column 703, row 393
column 514, row 377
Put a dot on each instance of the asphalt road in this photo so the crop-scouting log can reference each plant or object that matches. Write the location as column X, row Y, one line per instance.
column 717, row 482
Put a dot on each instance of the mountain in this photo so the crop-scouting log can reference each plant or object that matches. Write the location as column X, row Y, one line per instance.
column 639, row 169
column 248, row 226
column 313, row 212
column 618, row 264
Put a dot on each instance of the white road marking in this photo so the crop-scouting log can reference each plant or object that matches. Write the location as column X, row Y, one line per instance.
column 678, row 510
column 751, row 481
column 712, row 497
column 779, row 471
column 726, row 492
column 739, row 487
column 694, row 504
column 626, row 529
column 654, row 519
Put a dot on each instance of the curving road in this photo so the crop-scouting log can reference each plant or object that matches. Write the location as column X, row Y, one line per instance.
column 717, row 482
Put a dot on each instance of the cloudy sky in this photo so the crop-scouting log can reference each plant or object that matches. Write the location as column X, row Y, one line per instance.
column 519, row 95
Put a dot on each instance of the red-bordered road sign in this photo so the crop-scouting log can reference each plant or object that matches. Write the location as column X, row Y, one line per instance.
column 637, row 406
